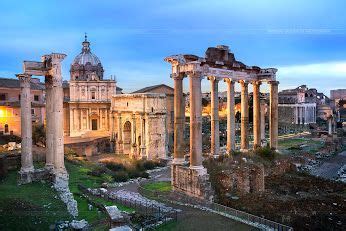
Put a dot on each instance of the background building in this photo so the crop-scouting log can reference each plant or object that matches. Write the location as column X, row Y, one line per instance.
column 10, row 104
column 88, row 107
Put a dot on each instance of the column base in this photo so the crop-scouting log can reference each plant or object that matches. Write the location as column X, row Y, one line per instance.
column 244, row 150
column 25, row 175
column 179, row 161
column 192, row 181
column 49, row 167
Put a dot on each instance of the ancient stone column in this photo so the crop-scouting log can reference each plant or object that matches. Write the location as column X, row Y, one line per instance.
column 263, row 122
column 143, row 146
column 195, row 121
column 120, row 135
column 50, row 123
column 179, row 120
column 214, row 120
column 133, row 136
column 230, row 116
column 57, row 112
column 273, row 119
column 26, row 128
column 256, row 115
column 330, row 127
column 244, row 130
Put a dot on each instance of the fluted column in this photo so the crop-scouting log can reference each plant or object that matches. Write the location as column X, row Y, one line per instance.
column 50, row 123
column 256, row 115
column 230, row 116
column 26, row 125
column 142, row 147
column 195, row 121
column 215, row 134
column 274, row 114
column 179, row 120
column 244, row 142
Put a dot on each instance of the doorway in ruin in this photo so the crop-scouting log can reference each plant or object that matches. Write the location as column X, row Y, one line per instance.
column 127, row 137
column 94, row 124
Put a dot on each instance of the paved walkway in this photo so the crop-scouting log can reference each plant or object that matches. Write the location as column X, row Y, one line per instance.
column 189, row 218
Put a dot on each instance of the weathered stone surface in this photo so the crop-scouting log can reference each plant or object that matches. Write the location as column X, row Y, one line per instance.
column 114, row 213
column 122, row 228
column 79, row 225
column 191, row 182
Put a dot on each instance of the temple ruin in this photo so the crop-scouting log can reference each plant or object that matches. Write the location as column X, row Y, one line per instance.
column 217, row 65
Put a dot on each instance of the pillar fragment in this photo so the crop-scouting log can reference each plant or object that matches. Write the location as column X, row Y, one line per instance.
column 273, row 120
column 214, row 120
column 195, row 121
column 50, row 123
column 256, row 115
column 27, row 166
column 179, row 120
column 244, row 130
column 230, row 116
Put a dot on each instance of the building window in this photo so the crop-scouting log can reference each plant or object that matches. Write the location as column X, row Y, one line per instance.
column 6, row 128
column 93, row 95
column 36, row 97
column 2, row 96
column 32, row 111
column 19, row 97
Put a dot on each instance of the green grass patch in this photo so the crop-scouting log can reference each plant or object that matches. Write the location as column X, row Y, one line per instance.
column 32, row 206
column 161, row 186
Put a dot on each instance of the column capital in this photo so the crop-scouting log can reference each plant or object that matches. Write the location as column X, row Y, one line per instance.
column 177, row 76
column 256, row 83
column 244, row 83
column 24, row 80
column 213, row 78
column 273, row 82
column 195, row 74
column 229, row 81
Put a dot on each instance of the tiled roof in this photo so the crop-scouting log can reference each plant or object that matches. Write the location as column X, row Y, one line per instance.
column 150, row 88
column 14, row 83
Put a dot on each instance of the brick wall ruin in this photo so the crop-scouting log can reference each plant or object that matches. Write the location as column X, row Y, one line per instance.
column 191, row 182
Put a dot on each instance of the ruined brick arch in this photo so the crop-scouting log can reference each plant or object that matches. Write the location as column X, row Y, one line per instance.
column 127, row 136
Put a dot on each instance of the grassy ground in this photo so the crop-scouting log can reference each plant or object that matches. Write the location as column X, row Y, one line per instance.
column 79, row 175
column 161, row 186
column 37, row 205
column 29, row 207
column 290, row 146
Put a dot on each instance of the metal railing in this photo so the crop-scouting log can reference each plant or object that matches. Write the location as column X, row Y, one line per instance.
column 256, row 221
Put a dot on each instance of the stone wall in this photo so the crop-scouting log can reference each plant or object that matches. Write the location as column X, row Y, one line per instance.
column 242, row 179
column 191, row 182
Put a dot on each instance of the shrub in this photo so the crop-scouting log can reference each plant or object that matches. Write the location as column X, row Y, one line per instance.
column 98, row 171
column 146, row 165
column 107, row 178
column 266, row 153
column 120, row 176
column 115, row 166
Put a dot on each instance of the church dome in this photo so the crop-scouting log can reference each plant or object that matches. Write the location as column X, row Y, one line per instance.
column 86, row 56
column 86, row 66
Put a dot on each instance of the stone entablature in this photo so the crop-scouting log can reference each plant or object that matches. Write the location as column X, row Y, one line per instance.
column 138, row 125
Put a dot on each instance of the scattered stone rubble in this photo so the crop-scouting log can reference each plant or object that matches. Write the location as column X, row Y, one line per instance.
column 61, row 186
column 11, row 146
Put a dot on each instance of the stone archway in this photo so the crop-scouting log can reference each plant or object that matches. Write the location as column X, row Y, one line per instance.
column 127, row 137
column 94, row 122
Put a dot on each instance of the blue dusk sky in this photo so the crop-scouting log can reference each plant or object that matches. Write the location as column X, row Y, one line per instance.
column 305, row 40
